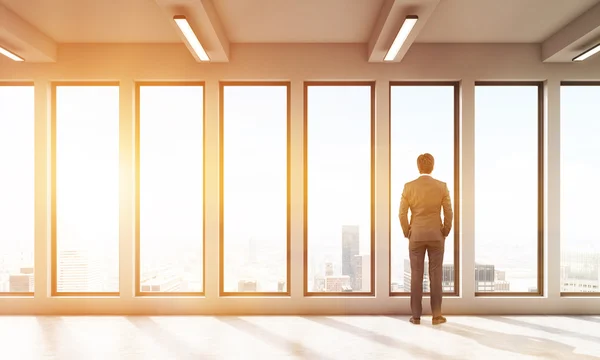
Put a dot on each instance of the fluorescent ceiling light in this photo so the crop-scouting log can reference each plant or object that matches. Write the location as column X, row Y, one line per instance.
column 586, row 54
column 190, row 37
column 405, row 29
column 10, row 55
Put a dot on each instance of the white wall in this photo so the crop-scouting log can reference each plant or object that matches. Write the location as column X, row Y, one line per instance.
column 129, row 63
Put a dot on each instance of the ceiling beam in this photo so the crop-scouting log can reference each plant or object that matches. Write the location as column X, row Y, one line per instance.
column 204, row 20
column 573, row 39
column 391, row 18
column 23, row 39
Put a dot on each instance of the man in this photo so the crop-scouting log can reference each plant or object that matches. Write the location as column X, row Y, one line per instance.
column 425, row 232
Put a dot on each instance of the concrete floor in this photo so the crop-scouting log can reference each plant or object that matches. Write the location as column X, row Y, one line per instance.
column 298, row 337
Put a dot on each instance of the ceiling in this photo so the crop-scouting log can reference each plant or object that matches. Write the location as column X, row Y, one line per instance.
column 96, row 21
column 298, row 21
column 34, row 29
column 500, row 21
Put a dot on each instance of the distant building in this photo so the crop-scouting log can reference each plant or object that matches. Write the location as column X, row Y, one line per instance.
column 447, row 277
column 361, row 268
column 281, row 286
column 78, row 271
column 350, row 248
column 501, row 285
column 319, row 283
column 328, row 269
column 486, row 278
column 319, row 280
column 337, row 283
column 247, row 286
column 23, row 281
column 580, row 272
column 500, row 275
column 168, row 283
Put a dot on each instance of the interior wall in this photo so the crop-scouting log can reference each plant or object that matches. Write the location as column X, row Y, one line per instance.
column 296, row 63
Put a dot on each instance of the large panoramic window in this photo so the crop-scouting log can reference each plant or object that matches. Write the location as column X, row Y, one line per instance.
column 16, row 188
column 170, row 174
column 85, row 194
column 254, row 190
column 580, row 176
column 416, row 127
column 338, row 159
column 508, row 189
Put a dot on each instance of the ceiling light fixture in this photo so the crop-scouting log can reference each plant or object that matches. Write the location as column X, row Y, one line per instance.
column 586, row 54
column 10, row 55
column 191, row 37
column 405, row 29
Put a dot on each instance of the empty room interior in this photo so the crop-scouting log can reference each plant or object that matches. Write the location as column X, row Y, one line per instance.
column 226, row 179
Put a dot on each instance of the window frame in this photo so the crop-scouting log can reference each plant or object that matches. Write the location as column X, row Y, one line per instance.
column 306, row 85
column 570, row 293
column 53, row 236
column 24, row 84
column 137, row 240
column 541, row 186
column 222, row 85
column 456, row 190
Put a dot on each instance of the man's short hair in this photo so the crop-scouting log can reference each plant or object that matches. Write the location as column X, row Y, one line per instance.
column 425, row 163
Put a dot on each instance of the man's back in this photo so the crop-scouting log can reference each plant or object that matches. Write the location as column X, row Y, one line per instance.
column 425, row 197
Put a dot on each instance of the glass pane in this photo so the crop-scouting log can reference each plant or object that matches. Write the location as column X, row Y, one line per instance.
column 506, row 188
column 580, row 176
column 16, row 188
column 87, row 188
column 339, row 188
column 255, row 188
column 171, row 188
column 412, row 119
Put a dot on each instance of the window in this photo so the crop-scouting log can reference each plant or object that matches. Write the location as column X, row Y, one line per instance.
column 338, row 171
column 170, row 201
column 508, row 188
column 85, row 188
column 16, row 188
column 254, row 189
column 417, row 127
column 580, row 175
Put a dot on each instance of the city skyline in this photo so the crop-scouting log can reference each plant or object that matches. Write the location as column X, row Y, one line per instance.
column 83, row 165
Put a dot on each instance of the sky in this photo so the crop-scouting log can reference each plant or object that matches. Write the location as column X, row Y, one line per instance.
column 16, row 162
column 87, row 168
column 255, row 168
column 171, row 168
column 580, row 167
column 339, row 164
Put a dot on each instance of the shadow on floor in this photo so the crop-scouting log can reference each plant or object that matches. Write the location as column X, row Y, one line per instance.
column 413, row 349
column 518, row 344
column 292, row 347
column 548, row 329
column 57, row 338
column 170, row 341
column 586, row 318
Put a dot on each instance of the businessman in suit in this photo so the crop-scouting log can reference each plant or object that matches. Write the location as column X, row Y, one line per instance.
column 425, row 197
